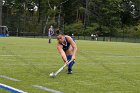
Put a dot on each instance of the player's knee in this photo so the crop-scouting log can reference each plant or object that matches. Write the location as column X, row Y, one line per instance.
column 69, row 57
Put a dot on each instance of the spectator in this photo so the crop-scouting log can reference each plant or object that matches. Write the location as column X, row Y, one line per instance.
column 96, row 37
column 92, row 36
column 72, row 36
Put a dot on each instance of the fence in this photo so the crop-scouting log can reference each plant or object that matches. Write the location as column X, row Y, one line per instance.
column 106, row 39
column 112, row 39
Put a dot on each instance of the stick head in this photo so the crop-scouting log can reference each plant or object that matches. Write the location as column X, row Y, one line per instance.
column 52, row 74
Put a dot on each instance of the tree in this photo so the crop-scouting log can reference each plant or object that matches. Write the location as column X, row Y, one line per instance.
column 106, row 13
column 1, row 12
column 108, row 16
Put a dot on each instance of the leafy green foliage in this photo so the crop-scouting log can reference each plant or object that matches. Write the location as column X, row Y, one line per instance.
column 109, row 15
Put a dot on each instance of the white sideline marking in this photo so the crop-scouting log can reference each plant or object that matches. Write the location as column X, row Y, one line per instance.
column 9, row 78
column 6, row 87
column 123, row 56
column 108, row 63
column 8, row 55
column 110, row 54
column 3, row 59
column 26, row 64
column 47, row 89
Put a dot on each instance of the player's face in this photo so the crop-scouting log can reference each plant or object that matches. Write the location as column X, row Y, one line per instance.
column 60, row 38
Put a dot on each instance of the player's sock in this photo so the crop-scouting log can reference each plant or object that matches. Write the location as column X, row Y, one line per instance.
column 70, row 65
column 49, row 40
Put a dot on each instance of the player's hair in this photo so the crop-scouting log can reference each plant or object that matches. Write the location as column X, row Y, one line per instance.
column 58, row 32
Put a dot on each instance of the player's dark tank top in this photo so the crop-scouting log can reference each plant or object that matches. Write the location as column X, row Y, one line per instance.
column 66, row 46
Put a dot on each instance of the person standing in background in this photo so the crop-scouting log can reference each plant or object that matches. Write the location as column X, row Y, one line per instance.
column 50, row 33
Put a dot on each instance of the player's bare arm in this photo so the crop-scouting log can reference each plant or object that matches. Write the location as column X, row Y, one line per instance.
column 74, row 46
column 62, row 53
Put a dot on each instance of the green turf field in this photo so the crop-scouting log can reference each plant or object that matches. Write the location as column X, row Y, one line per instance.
column 101, row 67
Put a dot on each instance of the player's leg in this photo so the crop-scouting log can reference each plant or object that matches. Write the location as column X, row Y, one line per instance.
column 70, row 65
column 49, row 39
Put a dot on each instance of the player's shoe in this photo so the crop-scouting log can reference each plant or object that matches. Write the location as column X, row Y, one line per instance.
column 69, row 71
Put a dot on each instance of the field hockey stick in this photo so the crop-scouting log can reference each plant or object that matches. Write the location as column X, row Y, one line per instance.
column 59, row 70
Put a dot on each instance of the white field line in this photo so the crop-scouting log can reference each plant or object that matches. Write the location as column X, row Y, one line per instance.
column 9, row 64
column 122, row 56
column 47, row 89
column 13, row 90
column 9, row 78
column 115, row 63
column 109, row 54
column 9, row 55
column 11, row 60
column 8, row 59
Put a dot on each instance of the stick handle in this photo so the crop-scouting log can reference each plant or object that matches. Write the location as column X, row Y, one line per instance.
column 59, row 70
column 70, row 61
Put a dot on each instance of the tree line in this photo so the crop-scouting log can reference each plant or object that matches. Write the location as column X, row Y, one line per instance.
column 78, row 17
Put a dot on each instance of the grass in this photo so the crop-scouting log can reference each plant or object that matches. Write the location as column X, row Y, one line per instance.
column 101, row 67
